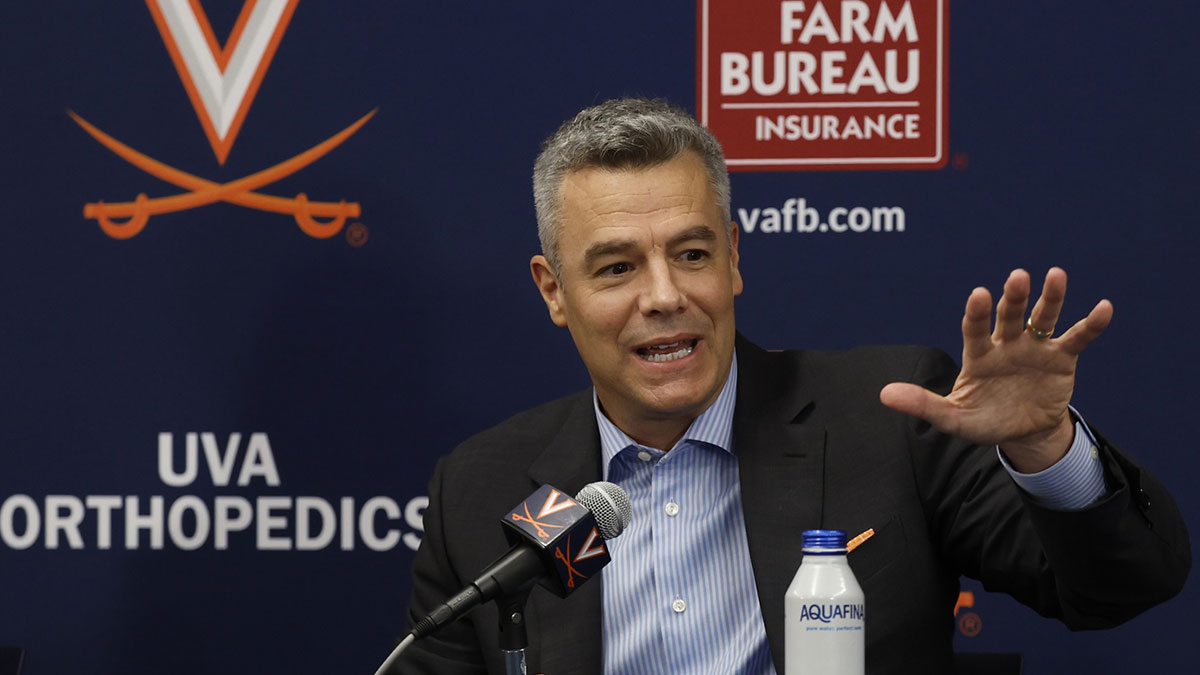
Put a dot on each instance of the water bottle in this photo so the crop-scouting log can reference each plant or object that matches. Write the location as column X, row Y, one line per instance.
column 823, row 612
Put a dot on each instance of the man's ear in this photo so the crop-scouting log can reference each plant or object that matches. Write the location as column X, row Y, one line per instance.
column 550, row 288
column 733, row 258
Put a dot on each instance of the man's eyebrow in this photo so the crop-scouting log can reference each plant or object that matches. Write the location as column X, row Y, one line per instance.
column 605, row 248
column 694, row 233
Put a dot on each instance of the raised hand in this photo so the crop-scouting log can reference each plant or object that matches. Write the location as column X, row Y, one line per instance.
column 1016, row 380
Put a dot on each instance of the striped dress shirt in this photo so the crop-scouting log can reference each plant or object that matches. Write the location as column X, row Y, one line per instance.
column 679, row 596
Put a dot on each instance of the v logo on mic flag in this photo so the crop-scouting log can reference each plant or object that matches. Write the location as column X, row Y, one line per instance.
column 592, row 547
column 554, row 503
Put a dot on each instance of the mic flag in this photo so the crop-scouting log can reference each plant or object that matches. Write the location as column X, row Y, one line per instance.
column 565, row 535
column 556, row 541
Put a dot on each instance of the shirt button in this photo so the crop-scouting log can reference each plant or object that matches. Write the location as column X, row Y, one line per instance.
column 644, row 456
column 672, row 510
column 678, row 605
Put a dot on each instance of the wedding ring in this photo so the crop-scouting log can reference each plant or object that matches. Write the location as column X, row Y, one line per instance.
column 1037, row 334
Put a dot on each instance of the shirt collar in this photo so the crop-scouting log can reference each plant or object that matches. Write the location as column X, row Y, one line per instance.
column 714, row 426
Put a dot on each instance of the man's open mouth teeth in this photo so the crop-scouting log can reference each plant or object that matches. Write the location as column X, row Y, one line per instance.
column 667, row 352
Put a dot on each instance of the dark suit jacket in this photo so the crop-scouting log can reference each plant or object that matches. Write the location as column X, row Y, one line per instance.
column 815, row 449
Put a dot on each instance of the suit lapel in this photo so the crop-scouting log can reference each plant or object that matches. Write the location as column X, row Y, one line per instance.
column 781, row 459
column 565, row 635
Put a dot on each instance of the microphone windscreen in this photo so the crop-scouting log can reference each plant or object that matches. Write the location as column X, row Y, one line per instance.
column 609, row 504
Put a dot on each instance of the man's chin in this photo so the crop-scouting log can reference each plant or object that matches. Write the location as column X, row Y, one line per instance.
column 674, row 404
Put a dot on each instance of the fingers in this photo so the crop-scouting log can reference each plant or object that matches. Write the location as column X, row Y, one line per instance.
column 1045, row 312
column 1089, row 328
column 1010, row 311
column 977, row 323
column 1010, row 315
column 919, row 402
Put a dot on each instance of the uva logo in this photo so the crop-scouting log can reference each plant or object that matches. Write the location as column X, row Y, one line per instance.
column 221, row 81
column 592, row 547
column 564, row 534
column 555, row 502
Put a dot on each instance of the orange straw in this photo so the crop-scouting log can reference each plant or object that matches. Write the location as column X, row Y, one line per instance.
column 855, row 542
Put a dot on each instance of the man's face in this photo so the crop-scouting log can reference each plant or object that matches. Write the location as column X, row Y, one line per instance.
column 647, row 287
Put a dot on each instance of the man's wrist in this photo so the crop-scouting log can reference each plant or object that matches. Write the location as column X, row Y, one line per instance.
column 1074, row 482
column 1039, row 452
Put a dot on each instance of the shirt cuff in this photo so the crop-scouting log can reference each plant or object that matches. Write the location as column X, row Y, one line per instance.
column 1073, row 482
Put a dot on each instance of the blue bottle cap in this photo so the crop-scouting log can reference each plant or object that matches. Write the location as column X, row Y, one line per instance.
column 823, row 541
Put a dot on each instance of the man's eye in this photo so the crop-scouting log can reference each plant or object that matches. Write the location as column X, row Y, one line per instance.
column 616, row 269
column 695, row 255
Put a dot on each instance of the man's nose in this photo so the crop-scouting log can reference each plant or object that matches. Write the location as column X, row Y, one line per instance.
column 662, row 293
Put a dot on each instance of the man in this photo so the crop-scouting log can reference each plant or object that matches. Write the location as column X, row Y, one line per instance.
column 728, row 452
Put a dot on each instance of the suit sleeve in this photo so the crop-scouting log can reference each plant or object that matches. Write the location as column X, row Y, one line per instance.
column 1091, row 568
column 453, row 650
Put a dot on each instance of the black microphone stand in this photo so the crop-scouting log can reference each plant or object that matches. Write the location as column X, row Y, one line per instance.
column 513, row 636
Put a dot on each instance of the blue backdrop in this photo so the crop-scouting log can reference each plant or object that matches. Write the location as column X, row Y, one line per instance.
column 321, row 378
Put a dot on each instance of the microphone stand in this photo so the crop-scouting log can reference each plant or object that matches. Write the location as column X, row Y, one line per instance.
column 513, row 637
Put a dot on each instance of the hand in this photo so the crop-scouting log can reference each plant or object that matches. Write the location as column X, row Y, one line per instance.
column 1014, row 387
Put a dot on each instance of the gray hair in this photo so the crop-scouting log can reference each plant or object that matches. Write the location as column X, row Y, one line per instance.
column 626, row 133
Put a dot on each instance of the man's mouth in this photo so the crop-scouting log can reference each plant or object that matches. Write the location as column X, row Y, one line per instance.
column 667, row 352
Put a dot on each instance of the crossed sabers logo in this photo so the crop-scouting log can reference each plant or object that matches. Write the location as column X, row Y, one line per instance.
column 571, row 571
column 537, row 525
column 221, row 82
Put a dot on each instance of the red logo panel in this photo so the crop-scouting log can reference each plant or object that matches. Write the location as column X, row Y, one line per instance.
column 824, row 84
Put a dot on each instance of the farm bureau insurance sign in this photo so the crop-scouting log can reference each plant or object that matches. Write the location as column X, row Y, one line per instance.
column 833, row 84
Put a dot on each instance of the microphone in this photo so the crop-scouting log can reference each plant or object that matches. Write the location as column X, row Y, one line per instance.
column 556, row 541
